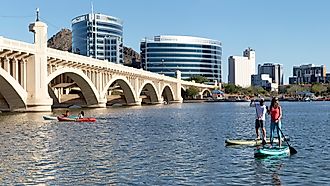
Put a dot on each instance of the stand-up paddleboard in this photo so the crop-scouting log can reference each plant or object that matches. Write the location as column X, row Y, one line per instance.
column 249, row 142
column 274, row 151
column 68, row 119
column 49, row 117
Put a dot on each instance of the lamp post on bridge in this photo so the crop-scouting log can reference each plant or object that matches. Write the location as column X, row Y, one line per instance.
column 37, row 10
column 162, row 60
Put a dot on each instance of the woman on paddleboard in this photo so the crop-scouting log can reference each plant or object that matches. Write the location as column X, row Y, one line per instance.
column 275, row 112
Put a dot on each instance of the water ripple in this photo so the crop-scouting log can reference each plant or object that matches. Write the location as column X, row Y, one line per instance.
column 162, row 145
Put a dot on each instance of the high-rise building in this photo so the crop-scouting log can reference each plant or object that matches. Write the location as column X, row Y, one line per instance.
column 190, row 55
column 308, row 74
column 240, row 68
column 275, row 72
column 99, row 36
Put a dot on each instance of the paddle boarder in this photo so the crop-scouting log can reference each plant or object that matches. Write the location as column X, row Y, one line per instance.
column 275, row 112
column 261, row 111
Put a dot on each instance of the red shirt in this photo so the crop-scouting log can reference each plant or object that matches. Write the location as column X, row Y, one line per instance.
column 275, row 113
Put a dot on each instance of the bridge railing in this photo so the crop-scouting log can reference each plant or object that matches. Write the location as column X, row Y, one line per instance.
column 92, row 62
column 190, row 83
column 14, row 45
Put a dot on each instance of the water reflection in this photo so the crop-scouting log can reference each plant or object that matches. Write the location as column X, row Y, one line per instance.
column 269, row 168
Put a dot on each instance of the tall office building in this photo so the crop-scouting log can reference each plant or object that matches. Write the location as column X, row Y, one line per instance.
column 99, row 36
column 240, row 68
column 190, row 55
column 275, row 72
column 308, row 74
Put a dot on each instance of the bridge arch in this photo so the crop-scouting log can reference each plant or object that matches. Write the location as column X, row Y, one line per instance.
column 168, row 93
column 12, row 91
column 152, row 91
column 206, row 92
column 87, row 87
column 123, row 82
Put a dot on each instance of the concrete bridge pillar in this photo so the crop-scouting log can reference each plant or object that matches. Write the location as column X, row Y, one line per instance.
column 177, row 96
column 37, row 88
column 200, row 95
column 6, row 65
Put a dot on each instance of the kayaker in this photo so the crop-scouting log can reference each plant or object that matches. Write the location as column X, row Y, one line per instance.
column 275, row 112
column 81, row 114
column 67, row 113
column 261, row 111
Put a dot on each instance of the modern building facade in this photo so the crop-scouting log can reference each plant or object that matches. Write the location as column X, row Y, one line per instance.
column 241, row 68
column 264, row 81
column 99, row 36
column 275, row 72
column 327, row 77
column 191, row 55
column 308, row 74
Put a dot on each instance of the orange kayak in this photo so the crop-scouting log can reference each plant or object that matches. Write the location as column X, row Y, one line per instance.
column 61, row 118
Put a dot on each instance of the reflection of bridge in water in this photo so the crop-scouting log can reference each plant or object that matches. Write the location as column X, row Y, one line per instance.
column 33, row 78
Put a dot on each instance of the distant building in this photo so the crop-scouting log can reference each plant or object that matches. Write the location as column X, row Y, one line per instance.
column 264, row 81
column 327, row 77
column 99, row 36
column 240, row 68
column 308, row 74
column 191, row 55
column 275, row 72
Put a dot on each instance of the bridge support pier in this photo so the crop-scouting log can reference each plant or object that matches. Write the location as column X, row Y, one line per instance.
column 101, row 104
column 38, row 98
column 137, row 103
column 177, row 101
column 39, row 105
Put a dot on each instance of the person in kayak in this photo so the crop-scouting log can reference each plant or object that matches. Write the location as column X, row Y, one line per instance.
column 67, row 113
column 275, row 112
column 81, row 114
column 261, row 111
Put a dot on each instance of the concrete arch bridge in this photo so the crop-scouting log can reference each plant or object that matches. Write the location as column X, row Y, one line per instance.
column 34, row 77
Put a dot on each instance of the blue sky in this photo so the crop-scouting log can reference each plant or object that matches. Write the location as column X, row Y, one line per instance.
column 290, row 32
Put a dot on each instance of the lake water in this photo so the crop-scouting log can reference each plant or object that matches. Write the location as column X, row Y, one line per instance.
column 176, row 144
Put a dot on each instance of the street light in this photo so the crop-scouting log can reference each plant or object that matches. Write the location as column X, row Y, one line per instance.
column 37, row 10
column 162, row 60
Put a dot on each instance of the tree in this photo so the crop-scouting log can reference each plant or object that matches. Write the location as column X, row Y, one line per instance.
column 192, row 92
column 318, row 89
column 199, row 79
column 230, row 88
column 292, row 90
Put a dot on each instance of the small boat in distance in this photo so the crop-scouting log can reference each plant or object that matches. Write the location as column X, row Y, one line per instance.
column 49, row 117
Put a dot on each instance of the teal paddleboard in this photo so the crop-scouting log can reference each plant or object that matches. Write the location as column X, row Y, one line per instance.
column 274, row 151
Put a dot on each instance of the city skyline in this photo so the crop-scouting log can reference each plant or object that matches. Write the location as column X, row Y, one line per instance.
column 290, row 33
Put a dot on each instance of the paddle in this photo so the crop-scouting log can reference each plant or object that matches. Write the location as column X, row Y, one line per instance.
column 292, row 150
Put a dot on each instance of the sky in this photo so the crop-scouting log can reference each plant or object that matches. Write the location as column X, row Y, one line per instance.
column 289, row 32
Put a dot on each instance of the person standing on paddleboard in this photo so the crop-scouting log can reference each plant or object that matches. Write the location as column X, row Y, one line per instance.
column 275, row 112
column 261, row 111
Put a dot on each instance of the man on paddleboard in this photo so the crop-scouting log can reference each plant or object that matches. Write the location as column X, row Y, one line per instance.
column 261, row 111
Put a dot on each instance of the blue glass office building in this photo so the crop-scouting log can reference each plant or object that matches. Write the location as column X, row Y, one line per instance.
column 191, row 55
column 99, row 36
